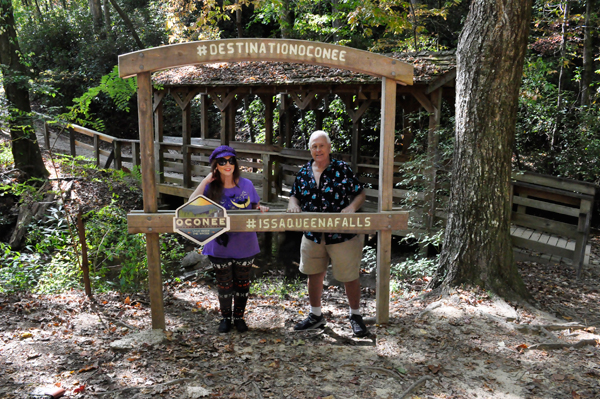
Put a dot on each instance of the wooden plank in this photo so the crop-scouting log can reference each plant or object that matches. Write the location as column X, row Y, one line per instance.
column 91, row 148
column 544, row 238
column 555, row 182
column 362, row 222
column 543, row 248
column 550, row 194
column 174, row 190
column 279, row 50
column 90, row 132
column 546, row 225
column 535, row 236
column 546, row 206
column 553, row 240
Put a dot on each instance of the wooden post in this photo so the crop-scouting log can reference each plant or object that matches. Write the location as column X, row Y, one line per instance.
column 85, row 266
column 186, row 135
column 158, row 136
column 150, row 201
column 97, row 149
column 386, row 183
column 204, row 116
column 231, row 108
column 267, row 177
column 319, row 119
column 117, row 151
column 72, row 142
column 583, row 230
column 135, row 153
column 355, row 145
column 46, row 135
column 268, row 101
column 224, row 136
column 432, row 155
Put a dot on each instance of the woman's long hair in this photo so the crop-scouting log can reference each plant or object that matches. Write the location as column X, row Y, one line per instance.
column 215, row 189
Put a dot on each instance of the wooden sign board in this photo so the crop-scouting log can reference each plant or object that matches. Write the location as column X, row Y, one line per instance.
column 201, row 220
column 282, row 221
column 283, row 50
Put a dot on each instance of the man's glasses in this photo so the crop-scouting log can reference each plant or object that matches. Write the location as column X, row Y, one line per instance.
column 223, row 161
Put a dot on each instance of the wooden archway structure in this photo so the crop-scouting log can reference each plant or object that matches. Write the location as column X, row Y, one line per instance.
column 392, row 73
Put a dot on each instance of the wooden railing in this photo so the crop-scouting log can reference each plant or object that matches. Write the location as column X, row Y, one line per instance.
column 553, row 205
column 114, row 156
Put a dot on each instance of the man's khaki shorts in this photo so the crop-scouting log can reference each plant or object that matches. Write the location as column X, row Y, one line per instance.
column 345, row 258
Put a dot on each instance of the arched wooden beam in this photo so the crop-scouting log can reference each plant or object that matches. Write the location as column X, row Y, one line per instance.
column 282, row 50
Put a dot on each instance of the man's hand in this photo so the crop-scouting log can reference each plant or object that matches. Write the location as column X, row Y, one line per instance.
column 348, row 209
column 294, row 206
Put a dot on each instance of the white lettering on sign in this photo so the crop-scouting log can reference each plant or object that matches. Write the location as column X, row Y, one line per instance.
column 200, row 222
column 306, row 224
column 316, row 51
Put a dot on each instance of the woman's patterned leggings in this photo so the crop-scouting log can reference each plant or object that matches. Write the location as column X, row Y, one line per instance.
column 233, row 281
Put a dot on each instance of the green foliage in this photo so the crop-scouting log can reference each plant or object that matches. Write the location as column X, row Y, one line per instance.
column 118, row 89
column 419, row 265
column 111, row 247
column 282, row 288
column 26, row 191
column 560, row 140
column 18, row 271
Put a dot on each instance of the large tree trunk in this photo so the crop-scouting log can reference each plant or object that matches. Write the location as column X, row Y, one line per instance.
column 587, row 74
column 286, row 19
column 96, row 11
column 25, row 148
column 477, row 249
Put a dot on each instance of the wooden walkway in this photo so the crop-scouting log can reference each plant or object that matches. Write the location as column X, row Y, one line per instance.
column 524, row 254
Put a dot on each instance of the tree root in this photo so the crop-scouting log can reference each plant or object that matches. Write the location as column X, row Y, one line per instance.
column 562, row 345
column 414, row 386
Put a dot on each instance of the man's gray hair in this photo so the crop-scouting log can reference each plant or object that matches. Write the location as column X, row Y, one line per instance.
column 316, row 134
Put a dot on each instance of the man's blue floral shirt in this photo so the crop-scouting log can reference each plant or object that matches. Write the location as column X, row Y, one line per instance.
column 338, row 186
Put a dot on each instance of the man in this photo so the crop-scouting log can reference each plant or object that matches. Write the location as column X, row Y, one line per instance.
column 329, row 185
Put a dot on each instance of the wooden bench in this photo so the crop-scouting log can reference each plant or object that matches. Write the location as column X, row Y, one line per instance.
column 556, row 206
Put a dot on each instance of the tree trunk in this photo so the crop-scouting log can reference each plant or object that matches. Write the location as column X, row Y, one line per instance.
column 477, row 248
column 238, row 21
column 587, row 74
column 128, row 24
column 25, row 149
column 561, row 83
column 107, row 20
column 96, row 11
column 286, row 19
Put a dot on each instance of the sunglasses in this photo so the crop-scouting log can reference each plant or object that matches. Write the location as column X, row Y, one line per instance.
column 223, row 161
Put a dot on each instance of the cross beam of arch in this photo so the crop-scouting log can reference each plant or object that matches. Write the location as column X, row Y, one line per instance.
column 281, row 50
column 142, row 63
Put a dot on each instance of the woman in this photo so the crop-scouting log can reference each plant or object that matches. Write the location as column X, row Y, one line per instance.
column 231, row 254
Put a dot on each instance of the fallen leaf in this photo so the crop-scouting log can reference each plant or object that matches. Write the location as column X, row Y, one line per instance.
column 88, row 368
column 80, row 389
column 434, row 368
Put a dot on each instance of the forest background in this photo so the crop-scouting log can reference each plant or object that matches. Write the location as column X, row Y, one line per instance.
column 70, row 51
column 464, row 346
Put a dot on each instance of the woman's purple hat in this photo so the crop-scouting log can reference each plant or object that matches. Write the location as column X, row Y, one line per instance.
column 222, row 151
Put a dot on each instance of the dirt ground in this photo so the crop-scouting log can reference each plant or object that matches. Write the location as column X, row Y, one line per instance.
column 465, row 345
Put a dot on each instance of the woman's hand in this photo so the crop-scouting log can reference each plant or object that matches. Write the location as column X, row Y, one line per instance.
column 263, row 208
column 209, row 178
